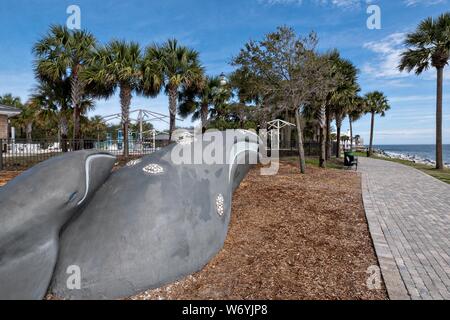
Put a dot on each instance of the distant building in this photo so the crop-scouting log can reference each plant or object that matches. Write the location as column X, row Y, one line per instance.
column 5, row 113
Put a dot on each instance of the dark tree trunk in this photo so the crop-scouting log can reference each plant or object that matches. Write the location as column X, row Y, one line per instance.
column 372, row 125
column 125, row 102
column 328, row 150
column 301, row 151
column 323, row 148
column 338, row 135
column 173, row 97
column 204, row 116
column 29, row 130
column 351, row 132
column 439, row 157
column 263, row 123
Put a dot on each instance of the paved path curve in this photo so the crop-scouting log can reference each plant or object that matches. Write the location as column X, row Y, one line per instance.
column 409, row 220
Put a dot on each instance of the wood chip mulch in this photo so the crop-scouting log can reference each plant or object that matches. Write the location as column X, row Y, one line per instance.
column 6, row 176
column 292, row 236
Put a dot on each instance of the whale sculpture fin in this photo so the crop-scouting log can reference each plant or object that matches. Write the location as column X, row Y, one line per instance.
column 33, row 209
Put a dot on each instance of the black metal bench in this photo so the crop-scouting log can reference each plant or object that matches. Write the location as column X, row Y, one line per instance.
column 350, row 160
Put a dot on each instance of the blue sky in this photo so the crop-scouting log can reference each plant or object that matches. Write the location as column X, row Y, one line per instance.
column 218, row 29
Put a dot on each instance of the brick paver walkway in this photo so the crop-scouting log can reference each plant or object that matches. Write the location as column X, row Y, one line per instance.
column 409, row 220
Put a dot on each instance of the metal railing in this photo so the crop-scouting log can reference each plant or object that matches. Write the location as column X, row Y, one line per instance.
column 21, row 154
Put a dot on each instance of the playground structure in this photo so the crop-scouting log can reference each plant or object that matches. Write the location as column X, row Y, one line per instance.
column 274, row 127
column 143, row 141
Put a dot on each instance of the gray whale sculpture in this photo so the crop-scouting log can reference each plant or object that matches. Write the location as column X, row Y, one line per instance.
column 34, row 207
column 148, row 224
column 152, row 223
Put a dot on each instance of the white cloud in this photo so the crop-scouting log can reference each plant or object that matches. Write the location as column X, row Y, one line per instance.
column 344, row 4
column 413, row 98
column 388, row 55
column 388, row 52
column 349, row 4
column 412, row 3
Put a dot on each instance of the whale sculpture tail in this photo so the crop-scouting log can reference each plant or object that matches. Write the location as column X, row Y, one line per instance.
column 34, row 207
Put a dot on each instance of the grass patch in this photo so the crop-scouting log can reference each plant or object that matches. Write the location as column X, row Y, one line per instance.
column 333, row 163
column 443, row 175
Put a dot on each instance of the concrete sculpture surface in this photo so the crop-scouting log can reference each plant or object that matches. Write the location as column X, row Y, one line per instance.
column 148, row 224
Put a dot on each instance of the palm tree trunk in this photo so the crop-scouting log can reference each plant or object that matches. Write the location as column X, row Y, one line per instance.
column 76, row 92
column 64, row 130
column 322, row 139
column 328, row 136
column 125, row 102
column 338, row 135
column 351, row 132
column 301, row 151
column 372, row 125
column 173, row 96
column 204, row 116
column 439, row 157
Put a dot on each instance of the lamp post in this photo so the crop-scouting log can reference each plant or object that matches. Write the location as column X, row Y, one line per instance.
column 223, row 79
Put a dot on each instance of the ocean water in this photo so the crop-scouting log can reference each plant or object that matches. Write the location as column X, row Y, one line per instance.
column 423, row 151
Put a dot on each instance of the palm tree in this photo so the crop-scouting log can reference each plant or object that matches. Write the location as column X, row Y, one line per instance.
column 96, row 126
column 26, row 119
column 376, row 103
column 429, row 46
column 340, row 99
column 11, row 101
column 117, row 66
column 62, row 54
column 197, row 101
column 53, row 98
column 356, row 111
column 179, row 68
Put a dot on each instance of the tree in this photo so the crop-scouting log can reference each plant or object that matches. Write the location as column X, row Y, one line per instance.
column 376, row 103
column 178, row 68
column 429, row 45
column 118, row 66
column 197, row 101
column 62, row 54
column 248, row 88
column 327, row 77
column 287, row 71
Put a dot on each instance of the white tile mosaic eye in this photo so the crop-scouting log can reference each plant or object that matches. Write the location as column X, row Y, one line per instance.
column 153, row 169
column 220, row 205
column 132, row 163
